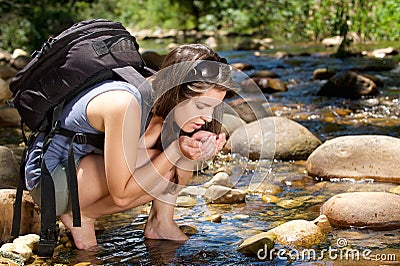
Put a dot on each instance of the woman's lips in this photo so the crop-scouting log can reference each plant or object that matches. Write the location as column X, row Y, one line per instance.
column 197, row 125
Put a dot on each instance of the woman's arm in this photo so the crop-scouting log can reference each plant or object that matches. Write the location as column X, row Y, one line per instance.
column 117, row 113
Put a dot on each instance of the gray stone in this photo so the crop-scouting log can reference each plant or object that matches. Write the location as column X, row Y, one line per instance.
column 302, row 233
column 250, row 109
column 348, row 85
column 221, row 178
column 224, row 195
column 362, row 156
column 263, row 241
column 374, row 210
column 5, row 92
column 273, row 137
column 230, row 123
column 8, row 168
column 30, row 216
column 194, row 191
column 9, row 116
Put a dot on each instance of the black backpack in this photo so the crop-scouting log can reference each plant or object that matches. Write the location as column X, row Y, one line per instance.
column 83, row 55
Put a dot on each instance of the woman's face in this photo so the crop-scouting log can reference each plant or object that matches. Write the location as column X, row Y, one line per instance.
column 193, row 113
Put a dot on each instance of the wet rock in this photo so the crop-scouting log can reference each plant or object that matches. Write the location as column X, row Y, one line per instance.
column 267, row 85
column 273, row 137
column 381, row 53
column 264, row 74
column 332, row 41
column 265, row 187
column 188, row 230
column 5, row 92
column 20, row 249
column 230, row 123
column 9, row 116
column 185, row 201
column 249, row 109
column 211, row 42
column 20, row 58
column 248, row 44
column 31, row 240
column 374, row 210
column 194, row 191
column 7, row 72
column 362, row 156
column 323, row 73
column 348, row 85
column 30, row 219
column 263, row 241
column 302, row 233
column 289, row 203
column 224, row 195
column 221, row 178
column 8, row 168
column 242, row 66
column 269, row 198
column 215, row 218
column 11, row 259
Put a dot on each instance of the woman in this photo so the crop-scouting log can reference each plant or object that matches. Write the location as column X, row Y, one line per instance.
column 138, row 166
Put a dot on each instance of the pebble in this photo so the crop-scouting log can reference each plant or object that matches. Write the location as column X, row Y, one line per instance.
column 188, row 230
column 289, row 204
column 253, row 244
column 185, row 201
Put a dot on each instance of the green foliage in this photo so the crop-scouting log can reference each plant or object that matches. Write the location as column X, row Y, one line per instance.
column 27, row 23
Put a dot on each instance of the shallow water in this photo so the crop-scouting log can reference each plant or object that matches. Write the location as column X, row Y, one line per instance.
column 122, row 241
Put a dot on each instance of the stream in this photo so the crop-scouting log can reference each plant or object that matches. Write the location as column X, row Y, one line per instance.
column 122, row 242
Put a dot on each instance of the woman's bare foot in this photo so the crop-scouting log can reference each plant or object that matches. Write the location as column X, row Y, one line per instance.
column 84, row 236
column 163, row 229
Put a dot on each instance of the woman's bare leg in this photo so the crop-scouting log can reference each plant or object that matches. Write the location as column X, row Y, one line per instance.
column 161, row 224
column 96, row 201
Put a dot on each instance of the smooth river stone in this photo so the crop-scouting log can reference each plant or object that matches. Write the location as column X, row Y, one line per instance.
column 374, row 210
column 359, row 157
column 273, row 137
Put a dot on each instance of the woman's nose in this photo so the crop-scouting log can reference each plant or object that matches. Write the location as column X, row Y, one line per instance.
column 207, row 118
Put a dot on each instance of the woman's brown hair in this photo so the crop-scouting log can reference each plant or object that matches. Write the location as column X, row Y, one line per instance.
column 173, row 86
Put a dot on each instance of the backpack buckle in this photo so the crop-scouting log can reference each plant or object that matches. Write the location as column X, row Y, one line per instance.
column 80, row 138
column 47, row 243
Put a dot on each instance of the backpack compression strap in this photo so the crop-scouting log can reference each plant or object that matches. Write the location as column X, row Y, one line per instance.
column 79, row 138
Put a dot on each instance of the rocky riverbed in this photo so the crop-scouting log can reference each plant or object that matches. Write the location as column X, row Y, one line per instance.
column 297, row 159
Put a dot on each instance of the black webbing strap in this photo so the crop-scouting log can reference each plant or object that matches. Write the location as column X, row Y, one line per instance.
column 48, row 227
column 48, row 234
column 79, row 138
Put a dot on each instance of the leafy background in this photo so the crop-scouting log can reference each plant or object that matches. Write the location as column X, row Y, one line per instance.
column 27, row 23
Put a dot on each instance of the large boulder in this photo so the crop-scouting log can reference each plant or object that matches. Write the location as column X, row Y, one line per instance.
column 8, row 168
column 249, row 109
column 361, row 156
column 30, row 216
column 302, row 233
column 348, row 85
column 373, row 210
column 273, row 137
column 230, row 123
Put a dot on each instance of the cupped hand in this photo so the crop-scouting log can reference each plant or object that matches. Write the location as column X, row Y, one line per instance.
column 203, row 145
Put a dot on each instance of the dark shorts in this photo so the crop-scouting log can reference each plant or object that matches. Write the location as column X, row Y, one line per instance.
column 60, row 180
